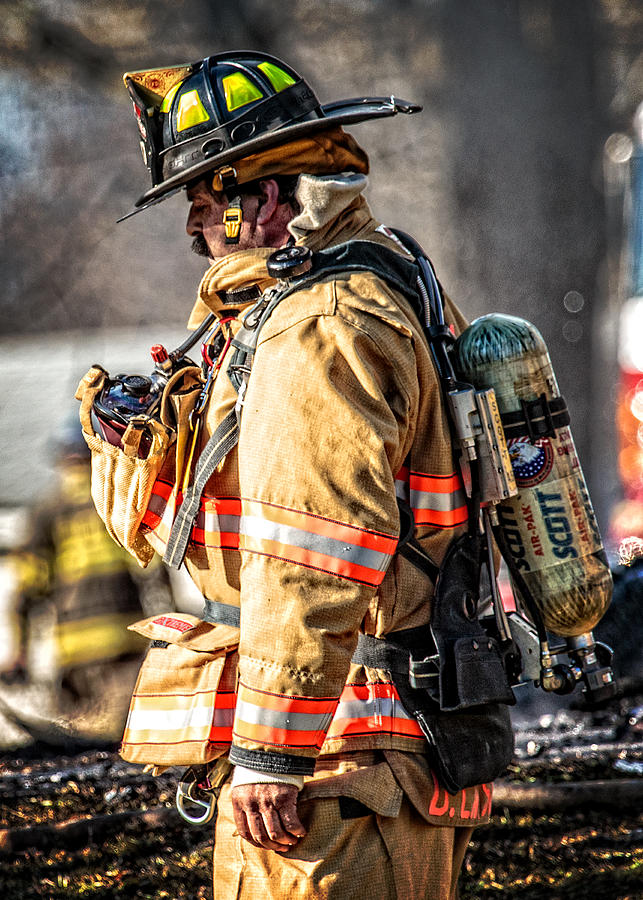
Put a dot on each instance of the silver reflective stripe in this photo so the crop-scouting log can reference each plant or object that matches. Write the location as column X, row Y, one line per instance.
column 177, row 719
column 285, row 721
column 382, row 707
column 264, row 529
column 402, row 489
column 440, row 502
column 217, row 524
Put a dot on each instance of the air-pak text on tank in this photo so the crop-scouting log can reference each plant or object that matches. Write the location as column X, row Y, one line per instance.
column 530, row 522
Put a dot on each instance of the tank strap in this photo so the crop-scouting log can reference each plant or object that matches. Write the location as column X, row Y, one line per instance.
column 410, row 548
column 536, row 418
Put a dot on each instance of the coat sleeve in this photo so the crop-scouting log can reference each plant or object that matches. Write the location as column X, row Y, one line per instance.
column 326, row 426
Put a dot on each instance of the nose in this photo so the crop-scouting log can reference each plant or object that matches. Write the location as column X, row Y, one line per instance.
column 192, row 225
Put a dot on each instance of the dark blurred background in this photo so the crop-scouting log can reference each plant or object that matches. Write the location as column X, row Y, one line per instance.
column 511, row 179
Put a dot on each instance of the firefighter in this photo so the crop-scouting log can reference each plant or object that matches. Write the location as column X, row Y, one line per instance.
column 69, row 568
column 332, row 793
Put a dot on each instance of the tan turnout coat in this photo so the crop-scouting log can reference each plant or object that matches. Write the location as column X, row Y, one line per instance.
column 299, row 526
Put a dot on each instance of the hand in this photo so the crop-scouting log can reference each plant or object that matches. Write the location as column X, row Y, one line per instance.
column 266, row 815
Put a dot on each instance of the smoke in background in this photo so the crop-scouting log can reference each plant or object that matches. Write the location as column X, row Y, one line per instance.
column 499, row 178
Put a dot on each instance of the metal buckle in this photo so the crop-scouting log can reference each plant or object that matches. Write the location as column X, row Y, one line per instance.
column 186, row 792
column 423, row 671
column 228, row 176
column 202, row 399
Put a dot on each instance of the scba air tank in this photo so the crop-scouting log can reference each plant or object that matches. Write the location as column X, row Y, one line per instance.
column 549, row 526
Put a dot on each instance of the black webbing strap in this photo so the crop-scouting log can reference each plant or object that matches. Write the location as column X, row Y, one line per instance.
column 536, row 418
column 413, row 552
column 393, row 653
column 221, row 442
column 408, row 545
column 218, row 613
column 377, row 653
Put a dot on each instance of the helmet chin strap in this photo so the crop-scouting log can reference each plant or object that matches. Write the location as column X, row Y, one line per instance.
column 233, row 215
column 233, row 220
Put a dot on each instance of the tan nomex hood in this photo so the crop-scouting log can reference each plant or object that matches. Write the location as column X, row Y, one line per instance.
column 332, row 209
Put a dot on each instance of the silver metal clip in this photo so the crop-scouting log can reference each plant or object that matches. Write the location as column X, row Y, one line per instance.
column 186, row 792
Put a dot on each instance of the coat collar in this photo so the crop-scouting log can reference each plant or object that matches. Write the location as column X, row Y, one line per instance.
column 333, row 211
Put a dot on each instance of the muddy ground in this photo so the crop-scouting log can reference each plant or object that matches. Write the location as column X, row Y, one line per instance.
column 591, row 850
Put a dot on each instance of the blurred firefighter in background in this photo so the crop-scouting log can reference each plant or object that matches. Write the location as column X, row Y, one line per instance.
column 69, row 569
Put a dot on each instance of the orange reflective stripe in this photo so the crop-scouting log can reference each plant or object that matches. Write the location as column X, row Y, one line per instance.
column 282, row 719
column 372, row 708
column 450, row 519
column 217, row 524
column 351, row 552
column 438, row 500
column 442, row 484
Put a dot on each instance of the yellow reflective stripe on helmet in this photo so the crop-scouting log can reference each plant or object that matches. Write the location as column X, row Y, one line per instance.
column 191, row 111
column 171, row 94
column 239, row 91
column 276, row 76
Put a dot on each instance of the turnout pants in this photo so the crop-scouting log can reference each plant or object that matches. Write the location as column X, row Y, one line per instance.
column 365, row 841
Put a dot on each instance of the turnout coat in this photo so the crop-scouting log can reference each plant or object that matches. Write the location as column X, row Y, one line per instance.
column 298, row 528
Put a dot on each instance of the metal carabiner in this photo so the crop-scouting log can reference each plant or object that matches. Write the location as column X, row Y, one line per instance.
column 185, row 792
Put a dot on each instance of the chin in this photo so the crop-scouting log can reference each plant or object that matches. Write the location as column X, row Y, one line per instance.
column 200, row 247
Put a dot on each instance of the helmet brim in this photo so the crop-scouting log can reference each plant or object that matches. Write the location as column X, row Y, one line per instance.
column 341, row 112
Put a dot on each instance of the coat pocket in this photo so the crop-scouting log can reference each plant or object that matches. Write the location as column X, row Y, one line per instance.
column 182, row 708
column 122, row 481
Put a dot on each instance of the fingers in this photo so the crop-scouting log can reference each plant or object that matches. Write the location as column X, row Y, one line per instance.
column 266, row 815
column 291, row 822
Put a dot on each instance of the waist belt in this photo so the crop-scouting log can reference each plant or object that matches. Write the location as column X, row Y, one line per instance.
column 221, row 613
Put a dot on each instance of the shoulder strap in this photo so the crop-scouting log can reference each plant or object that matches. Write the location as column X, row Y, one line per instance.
column 400, row 273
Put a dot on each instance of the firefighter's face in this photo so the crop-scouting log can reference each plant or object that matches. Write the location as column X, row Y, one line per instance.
column 205, row 222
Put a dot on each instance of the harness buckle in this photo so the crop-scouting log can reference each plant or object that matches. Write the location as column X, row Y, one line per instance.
column 200, row 787
column 423, row 671
column 192, row 793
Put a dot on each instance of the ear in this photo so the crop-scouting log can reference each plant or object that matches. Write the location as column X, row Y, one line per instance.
column 268, row 201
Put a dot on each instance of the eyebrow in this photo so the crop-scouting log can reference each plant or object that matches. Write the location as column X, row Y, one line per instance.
column 204, row 193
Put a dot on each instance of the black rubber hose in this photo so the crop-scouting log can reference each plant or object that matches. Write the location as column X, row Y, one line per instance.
column 521, row 584
column 192, row 339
